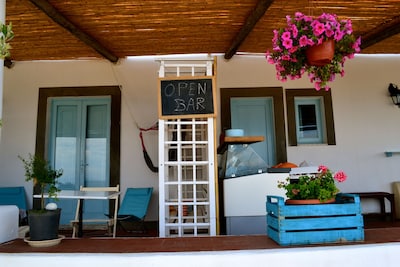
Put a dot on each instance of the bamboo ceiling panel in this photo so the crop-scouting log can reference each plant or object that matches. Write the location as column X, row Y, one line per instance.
column 134, row 28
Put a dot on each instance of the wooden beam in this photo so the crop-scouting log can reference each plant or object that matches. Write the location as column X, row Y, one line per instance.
column 59, row 18
column 248, row 26
column 380, row 33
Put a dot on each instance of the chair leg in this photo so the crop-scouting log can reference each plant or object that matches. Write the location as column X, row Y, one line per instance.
column 73, row 230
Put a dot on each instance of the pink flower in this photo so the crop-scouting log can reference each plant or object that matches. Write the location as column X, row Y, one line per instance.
column 295, row 31
column 303, row 41
column 322, row 168
column 319, row 29
column 338, row 35
column 285, row 36
column 287, row 43
column 340, row 176
column 329, row 32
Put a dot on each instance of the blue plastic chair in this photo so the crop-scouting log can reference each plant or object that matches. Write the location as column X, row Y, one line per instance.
column 15, row 196
column 134, row 206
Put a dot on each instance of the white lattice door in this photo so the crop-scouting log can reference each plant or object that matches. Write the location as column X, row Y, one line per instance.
column 187, row 205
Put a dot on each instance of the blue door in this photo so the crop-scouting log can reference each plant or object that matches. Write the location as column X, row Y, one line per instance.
column 79, row 141
column 255, row 116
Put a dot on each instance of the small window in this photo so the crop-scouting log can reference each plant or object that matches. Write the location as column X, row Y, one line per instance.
column 309, row 120
column 310, row 117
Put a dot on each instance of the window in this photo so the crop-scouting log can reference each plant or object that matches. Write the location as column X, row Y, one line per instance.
column 309, row 122
column 310, row 117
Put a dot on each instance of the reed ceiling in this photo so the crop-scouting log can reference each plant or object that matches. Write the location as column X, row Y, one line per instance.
column 113, row 29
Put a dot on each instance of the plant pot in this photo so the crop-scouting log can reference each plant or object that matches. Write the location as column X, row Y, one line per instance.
column 43, row 225
column 320, row 55
column 308, row 201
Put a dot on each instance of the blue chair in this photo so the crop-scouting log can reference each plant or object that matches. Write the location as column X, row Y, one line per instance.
column 15, row 196
column 134, row 207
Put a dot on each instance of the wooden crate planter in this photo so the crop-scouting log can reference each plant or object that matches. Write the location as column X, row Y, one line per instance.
column 311, row 224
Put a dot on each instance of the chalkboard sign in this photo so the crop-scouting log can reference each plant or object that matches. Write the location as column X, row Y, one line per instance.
column 189, row 97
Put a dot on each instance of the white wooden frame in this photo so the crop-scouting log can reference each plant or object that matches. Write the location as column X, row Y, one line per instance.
column 181, row 174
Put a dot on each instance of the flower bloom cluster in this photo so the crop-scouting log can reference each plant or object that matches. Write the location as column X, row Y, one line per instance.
column 316, row 186
column 339, row 176
column 302, row 32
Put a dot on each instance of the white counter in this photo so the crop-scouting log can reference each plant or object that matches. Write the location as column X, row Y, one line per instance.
column 245, row 201
column 246, row 195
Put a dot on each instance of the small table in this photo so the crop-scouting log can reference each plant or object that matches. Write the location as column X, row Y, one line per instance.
column 81, row 196
column 381, row 197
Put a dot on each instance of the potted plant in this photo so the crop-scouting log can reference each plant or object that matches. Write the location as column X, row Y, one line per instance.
column 290, row 45
column 43, row 222
column 320, row 187
column 6, row 34
column 5, row 37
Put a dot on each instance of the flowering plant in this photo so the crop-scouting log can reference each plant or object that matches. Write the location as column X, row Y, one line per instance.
column 319, row 186
column 290, row 45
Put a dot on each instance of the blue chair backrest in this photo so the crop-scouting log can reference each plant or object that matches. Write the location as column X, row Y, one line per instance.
column 13, row 196
column 136, row 202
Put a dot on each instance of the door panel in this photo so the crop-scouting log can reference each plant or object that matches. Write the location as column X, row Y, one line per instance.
column 255, row 116
column 79, row 144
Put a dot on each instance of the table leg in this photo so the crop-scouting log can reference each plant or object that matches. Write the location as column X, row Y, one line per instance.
column 80, row 225
column 392, row 207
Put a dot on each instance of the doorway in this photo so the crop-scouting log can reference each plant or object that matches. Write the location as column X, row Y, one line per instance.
column 78, row 130
column 271, row 110
column 79, row 137
column 255, row 116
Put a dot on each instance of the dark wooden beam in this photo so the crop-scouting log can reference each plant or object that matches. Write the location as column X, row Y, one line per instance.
column 248, row 26
column 59, row 18
column 380, row 33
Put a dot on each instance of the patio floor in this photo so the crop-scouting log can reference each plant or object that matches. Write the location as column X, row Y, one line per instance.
column 95, row 241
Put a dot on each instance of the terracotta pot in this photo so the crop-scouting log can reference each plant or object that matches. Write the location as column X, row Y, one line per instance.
column 308, row 201
column 320, row 55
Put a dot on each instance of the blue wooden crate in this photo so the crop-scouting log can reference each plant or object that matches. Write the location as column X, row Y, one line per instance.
column 341, row 221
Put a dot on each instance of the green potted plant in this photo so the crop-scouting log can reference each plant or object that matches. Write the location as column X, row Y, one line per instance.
column 6, row 35
column 302, row 33
column 43, row 222
column 319, row 188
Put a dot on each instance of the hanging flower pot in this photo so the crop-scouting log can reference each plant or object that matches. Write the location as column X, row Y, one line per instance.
column 290, row 47
column 320, row 55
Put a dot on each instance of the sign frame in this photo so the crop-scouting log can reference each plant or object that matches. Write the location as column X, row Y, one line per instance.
column 194, row 98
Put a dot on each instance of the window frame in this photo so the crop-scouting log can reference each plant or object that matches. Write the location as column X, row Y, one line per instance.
column 327, row 113
column 318, row 105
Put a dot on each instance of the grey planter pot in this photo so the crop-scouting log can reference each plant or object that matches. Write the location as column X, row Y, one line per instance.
column 43, row 225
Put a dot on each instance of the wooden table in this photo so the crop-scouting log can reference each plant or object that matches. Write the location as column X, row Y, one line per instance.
column 380, row 196
column 81, row 196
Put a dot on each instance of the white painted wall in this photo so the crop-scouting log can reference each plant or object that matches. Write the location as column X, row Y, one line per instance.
column 353, row 255
column 366, row 121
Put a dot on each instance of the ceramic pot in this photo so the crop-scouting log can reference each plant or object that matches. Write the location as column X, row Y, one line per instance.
column 320, row 55
column 43, row 225
column 308, row 201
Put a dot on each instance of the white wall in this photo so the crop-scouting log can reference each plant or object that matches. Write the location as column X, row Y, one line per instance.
column 366, row 121
column 353, row 255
